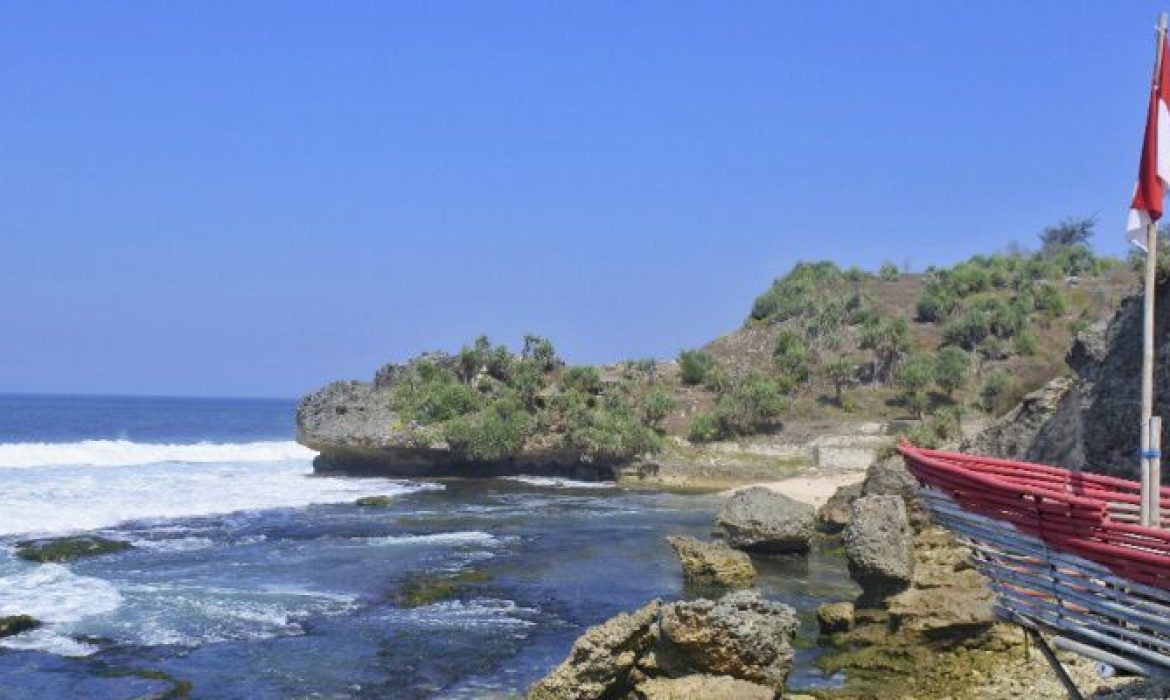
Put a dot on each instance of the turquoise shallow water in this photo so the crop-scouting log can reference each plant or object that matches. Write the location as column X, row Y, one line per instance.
column 251, row 578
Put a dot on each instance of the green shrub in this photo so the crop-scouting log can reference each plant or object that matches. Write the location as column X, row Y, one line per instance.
column 540, row 352
column 791, row 356
column 706, row 427
column 888, row 271
column 840, row 372
column 800, row 292
column 1050, row 300
column 997, row 385
column 583, row 378
column 718, row 379
column 1026, row 344
column 429, row 393
column 656, row 407
column 913, row 377
column 497, row 432
column 693, row 366
column 611, row 433
column 749, row 404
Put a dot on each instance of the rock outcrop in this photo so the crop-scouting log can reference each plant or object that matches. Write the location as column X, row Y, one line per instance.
column 761, row 520
column 602, row 662
column 60, row 549
column 354, row 430
column 890, row 477
column 835, row 617
column 737, row 646
column 879, row 546
column 1091, row 420
column 15, row 624
column 833, row 516
column 709, row 565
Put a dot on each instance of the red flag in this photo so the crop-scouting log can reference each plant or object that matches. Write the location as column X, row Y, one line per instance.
column 1154, row 172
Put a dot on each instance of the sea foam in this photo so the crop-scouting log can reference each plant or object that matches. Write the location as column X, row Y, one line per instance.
column 120, row 453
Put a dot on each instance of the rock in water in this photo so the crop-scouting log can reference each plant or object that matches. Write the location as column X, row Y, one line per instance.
column 702, row 688
column 373, row 502
column 741, row 635
column 879, row 547
column 835, row 617
column 761, row 520
column 712, row 565
column 602, row 660
column 66, row 548
column 890, row 477
column 834, row 515
column 15, row 624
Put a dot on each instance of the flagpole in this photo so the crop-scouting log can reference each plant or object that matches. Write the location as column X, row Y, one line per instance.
column 1151, row 459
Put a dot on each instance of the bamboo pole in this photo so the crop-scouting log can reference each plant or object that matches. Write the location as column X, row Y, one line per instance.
column 1151, row 464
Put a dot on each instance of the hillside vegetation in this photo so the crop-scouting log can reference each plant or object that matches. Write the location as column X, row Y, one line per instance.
column 820, row 343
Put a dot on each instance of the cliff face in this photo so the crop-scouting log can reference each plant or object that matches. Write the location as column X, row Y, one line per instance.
column 1091, row 420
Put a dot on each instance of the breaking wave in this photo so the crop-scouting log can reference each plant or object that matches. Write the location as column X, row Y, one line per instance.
column 120, row 453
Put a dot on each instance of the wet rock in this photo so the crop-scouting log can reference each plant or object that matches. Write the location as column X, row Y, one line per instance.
column 373, row 501
column 712, row 565
column 15, row 624
column 761, row 520
column 834, row 515
column 835, row 617
column 603, row 659
column 66, row 548
column 701, row 687
column 741, row 635
column 879, row 547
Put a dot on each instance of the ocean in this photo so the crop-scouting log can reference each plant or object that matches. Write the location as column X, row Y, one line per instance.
column 252, row 578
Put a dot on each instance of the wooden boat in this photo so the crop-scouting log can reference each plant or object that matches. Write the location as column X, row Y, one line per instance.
column 1064, row 551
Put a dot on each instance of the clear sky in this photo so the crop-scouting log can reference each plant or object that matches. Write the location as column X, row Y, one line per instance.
column 253, row 198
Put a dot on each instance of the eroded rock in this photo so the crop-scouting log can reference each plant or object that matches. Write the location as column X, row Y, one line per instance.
column 699, row 687
column 833, row 516
column 712, row 565
column 759, row 519
column 879, row 547
column 15, row 624
column 835, row 617
column 60, row 549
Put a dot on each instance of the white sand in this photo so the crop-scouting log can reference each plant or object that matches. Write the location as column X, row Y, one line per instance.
column 813, row 490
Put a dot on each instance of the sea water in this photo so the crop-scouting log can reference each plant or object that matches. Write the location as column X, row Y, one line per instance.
column 250, row 577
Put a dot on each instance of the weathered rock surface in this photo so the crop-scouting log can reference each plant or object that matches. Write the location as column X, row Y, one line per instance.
column 15, row 624
column 761, row 520
column 1091, row 421
column 835, row 617
column 833, row 516
column 712, row 565
column 681, row 650
column 59, row 549
column 890, row 477
column 603, row 659
column 373, row 502
column 740, row 635
column 879, row 547
column 701, row 688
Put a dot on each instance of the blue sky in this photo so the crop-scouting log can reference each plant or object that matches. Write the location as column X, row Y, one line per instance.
column 254, row 198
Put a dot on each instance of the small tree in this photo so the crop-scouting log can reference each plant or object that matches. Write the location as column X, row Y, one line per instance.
column 656, row 407
column 840, row 372
column 950, row 369
column 791, row 355
column 888, row 271
column 540, row 351
column 1073, row 231
column 994, row 389
column 913, row 377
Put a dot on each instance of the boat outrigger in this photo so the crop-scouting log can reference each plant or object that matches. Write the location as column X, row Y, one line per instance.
column 1082, row 557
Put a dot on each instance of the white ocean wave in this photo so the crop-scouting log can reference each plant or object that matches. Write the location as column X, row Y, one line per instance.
column 557, row 483
column 118, row 453
column 459, row 537
column 53, row 594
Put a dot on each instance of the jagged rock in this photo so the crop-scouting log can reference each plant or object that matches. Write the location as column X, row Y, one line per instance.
column 833, row 516
column 759, row 519
column 701, row 688
column 708, row 565
column 65, row 548
column 740, row 635
column 835, row 617
column 603, row 659
column 1044, row 427
column 947, row 597
column 15, row 624
column 879, row 547
column 890, row 477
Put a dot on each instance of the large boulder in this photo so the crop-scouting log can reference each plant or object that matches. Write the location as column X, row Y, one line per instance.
column 890, row 477
column 712, row 565
column 879, row 547
column 602, row 661
column 833, row 516
column 741, row 635
column 58, row 549
column 699, row 687
column 759, row 519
